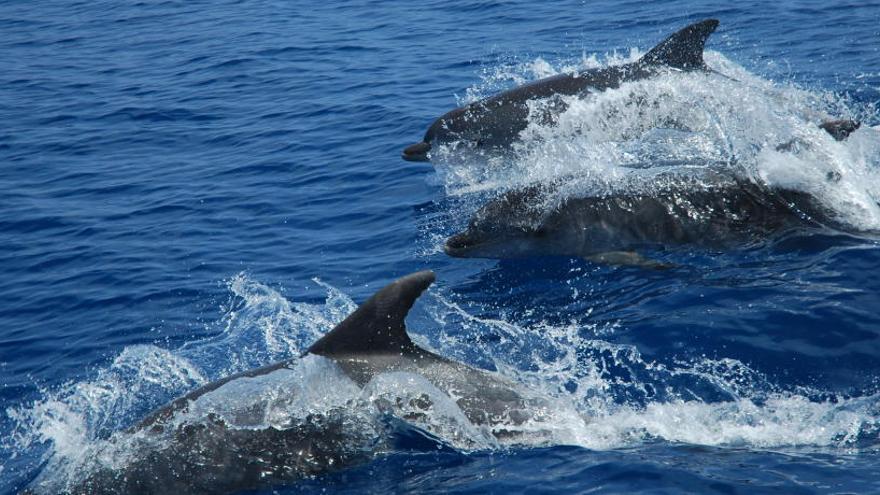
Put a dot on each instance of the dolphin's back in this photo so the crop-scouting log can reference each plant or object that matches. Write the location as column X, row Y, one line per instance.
column 714, row 216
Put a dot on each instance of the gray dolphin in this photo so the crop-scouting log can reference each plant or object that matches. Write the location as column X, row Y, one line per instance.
column 714, row 211
column 209, row 456
column 497, row 121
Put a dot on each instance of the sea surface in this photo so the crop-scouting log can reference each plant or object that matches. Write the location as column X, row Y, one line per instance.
column 189, row 189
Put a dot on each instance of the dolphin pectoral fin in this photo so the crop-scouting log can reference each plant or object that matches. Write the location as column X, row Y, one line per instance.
column 377, row 326
column 684, row 49
column 628, row 258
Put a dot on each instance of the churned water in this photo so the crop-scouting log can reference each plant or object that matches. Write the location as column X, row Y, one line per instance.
column 191, row 189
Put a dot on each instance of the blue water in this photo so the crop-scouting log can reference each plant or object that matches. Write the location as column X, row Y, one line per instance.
column 174, row 175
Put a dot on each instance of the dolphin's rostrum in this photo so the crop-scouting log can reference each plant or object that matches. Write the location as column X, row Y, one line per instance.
column 207, row 454
column 497, row 121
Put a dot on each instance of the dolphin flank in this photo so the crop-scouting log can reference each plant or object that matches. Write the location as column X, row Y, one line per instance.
column 210, row 455
column 498, row 120
column 713, row 211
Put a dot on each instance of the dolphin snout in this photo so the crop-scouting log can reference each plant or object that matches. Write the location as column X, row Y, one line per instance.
column 458, row 244
column 417, row 152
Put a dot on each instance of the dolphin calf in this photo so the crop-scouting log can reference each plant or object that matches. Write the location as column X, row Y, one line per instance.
column 206, row 453
column 712, row 211
column 498, row 120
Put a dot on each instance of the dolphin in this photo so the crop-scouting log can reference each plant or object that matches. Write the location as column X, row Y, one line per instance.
column 497, row 121
column 208, row 455
column 712, row 211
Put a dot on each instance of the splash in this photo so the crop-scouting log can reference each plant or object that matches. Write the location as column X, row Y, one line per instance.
column 79, row 427
column 601, row 395
column 628, row 400
column 726, row 118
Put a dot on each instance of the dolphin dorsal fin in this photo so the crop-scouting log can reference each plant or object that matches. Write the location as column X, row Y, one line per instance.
column 684, row 49
column 377, row 326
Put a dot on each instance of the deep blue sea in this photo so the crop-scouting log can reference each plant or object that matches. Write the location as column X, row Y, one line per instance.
column 190, row 189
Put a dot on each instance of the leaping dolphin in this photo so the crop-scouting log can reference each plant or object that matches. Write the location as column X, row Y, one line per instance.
column 498, row 120
column 208, row 455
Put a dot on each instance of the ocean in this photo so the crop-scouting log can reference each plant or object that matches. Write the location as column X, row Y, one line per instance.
column 192, row 189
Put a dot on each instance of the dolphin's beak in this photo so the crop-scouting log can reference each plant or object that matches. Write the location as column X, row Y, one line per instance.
column 458, row 245
column 417, row 152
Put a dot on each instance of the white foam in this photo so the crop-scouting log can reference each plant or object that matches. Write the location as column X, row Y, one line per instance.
column 662, row 403
column 780, row 421
column 727, row 117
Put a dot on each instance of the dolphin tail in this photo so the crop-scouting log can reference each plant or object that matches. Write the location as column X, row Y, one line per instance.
column 684, row 49
column 377, row 326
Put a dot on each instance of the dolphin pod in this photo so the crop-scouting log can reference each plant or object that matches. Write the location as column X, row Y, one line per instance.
column 612, row 229
column 496, row 122
column 187, row 451
column 208, row 455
